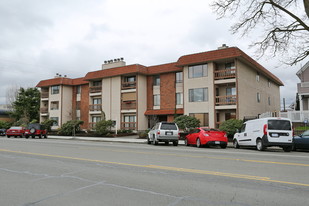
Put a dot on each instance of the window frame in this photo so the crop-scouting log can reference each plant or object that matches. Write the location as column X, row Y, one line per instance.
column 193, row 71
column 193, row 96
column 55, row 89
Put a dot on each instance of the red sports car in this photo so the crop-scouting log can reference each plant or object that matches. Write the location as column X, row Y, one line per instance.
column 205, row 136
column 15, row 131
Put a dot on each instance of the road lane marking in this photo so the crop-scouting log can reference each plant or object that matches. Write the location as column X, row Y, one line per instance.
column 203, row 156
column 186, row 170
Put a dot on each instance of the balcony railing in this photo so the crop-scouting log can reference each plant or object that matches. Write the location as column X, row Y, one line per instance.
column 226, row 100
column 225, row 74
column 44, row 110
column 95, row 107
column 128, row 105
column 95, row 89
column 44, row 94
column 128, row 125
column 128, row 85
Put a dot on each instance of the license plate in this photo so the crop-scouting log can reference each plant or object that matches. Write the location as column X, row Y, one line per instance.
column 169, row 133
column 274, row 135
column 217, row 142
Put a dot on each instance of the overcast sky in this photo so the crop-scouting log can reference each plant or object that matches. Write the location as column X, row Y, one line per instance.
column 40, row 38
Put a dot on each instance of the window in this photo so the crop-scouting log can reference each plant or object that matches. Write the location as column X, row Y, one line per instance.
column 231, row 91
column 78, row 89
column 179, row 77
column 156, row 100
column 269, row 83
column 156, row 80
column 179, row 98
column 56, row 123
column 203, row 117
column 77, row 105
column 97, row 83
column 96, row 101
column 198, row 71
column 198, row 95
column 268, row 100
column 129, row 121
column 55, row 89
column 54, row 105
column 96, row 118
column 258, row 97
column 230, row 65
column 129, row 79
column 257, row 77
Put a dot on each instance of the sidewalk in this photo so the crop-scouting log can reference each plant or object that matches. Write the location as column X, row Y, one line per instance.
column 125, row 139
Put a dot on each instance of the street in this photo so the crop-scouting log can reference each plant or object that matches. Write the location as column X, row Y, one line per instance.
column 69, row 172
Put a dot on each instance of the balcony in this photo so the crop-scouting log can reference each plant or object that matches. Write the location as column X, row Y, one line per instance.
column 128, row 125
column 226, row 100
column 128, row 85
column 126, row 105
column 95, row 107
column 95, row 89
column 225, row 74
column 44, row 110
column 44, row 95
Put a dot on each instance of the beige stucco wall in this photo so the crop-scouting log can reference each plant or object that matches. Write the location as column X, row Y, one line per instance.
column 66, row 103
column 247, row 89
column 202, row 82
column 111, row 99
column 142, row 102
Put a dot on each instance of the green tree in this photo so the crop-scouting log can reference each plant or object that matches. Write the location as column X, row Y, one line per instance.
column 103, row 127
column 230, row 126
column 285, row 25
column 184, row 122
column 70, row 126
column 5, row 125
column 26, row 106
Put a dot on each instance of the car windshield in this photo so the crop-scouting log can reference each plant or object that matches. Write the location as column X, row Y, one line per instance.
column 210, row 129
column 16, row 128
column 168, row 126
column 279, row 125
column 36, row 126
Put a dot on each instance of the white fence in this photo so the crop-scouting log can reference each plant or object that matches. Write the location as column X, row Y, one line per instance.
column 296, row 116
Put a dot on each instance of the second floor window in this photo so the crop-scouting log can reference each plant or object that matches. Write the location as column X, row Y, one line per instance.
column 156, row 80
column 54, row 105
column 179, row 99
column 198, row 71
column 129, row 79
column 179, row 77
column 156, row 100
column 97, row 83
column 55, row 89
column 198, row 95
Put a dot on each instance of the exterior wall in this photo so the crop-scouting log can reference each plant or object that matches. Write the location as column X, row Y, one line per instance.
column 202, row 82
column 247, row 89
column 167, row 91
column 66, row 104
column 84, row 105
column 111, row 99
column 142, row 121
column 149, row 92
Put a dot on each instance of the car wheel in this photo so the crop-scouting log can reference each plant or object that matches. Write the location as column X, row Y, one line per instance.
column 223, row 146
column 154, row 141
column 8, row 136
column 175, row 143
column 186, row 142
column 287, row 148
column 27, row 136
column 45, row 136
column 198, row 143
column 235, row 144
column 148, row 140
column 33, row 136
column 259, row 145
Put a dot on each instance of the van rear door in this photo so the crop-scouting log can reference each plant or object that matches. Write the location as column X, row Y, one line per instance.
column 279, row 130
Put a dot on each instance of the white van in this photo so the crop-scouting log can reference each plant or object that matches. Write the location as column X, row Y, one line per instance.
column 265, row 132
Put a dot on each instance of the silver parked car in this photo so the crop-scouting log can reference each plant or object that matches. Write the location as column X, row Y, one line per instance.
column 164, row 132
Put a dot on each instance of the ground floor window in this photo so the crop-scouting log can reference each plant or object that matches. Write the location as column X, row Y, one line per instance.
column 203, row 117
column 129, row 122
column 56, row 123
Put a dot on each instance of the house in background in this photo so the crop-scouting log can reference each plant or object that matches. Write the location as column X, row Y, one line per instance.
column 301, row 107
column 212, row 86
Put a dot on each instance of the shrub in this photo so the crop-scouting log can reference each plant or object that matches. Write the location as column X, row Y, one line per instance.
column 230, row 126
column 5, row 125
column 48, row 124
column 70, row 126
column 184, row 122
column 103, row 127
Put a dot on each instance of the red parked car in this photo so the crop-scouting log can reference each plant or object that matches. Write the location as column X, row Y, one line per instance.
column 205, row 136
column 15, row 131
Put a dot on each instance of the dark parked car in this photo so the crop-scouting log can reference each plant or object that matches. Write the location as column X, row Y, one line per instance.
column 15, row 131
column 2, row 132
column 36, row 129
column 301, row 141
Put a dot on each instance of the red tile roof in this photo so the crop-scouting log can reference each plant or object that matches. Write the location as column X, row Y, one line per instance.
column 227, row 53
column 61, row 81
column 163, row 111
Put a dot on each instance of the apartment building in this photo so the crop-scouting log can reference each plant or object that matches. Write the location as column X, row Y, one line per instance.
column 212, row 86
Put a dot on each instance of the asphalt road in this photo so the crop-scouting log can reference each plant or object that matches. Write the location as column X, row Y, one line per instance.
column 69, row 172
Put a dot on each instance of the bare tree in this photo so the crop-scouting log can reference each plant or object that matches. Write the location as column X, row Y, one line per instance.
column 284, row 23
column 11, row 94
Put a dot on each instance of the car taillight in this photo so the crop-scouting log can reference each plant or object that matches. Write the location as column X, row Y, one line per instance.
column 265, row 129
column 158, row 132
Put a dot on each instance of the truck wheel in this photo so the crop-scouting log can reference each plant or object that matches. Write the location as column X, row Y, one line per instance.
column 235, row 144
column 259, row 145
